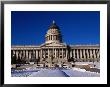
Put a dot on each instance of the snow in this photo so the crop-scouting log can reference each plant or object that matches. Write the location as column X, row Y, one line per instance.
column 43, row 72
column 47, row 73
column 76, row 72
column 97, row 64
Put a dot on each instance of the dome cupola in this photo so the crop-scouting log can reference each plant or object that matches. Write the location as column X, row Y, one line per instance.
column 53, row 34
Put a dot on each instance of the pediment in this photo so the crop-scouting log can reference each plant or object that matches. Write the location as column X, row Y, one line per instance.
column 54, row 44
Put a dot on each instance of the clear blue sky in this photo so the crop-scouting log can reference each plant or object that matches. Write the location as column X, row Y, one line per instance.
column 77, row 27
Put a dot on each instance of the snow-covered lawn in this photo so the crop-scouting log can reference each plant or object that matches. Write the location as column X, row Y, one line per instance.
column 48, row 73
column 97, row 64
column 43, row 72
column 76, row 72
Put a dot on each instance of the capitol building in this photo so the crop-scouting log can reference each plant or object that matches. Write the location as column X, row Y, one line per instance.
column 54, row 52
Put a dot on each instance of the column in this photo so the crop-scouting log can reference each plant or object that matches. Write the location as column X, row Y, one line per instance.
column 87, row 53
column 48, row 54
column 44, row 53
column 74, row 53
column 52, row 37
column 16, row 54
column 36, row 54
column 81, row 54
column 58, row 52
column 29, row 55
column 48, row 37
column 94, row 53
column 70, row 53
column 20, row 54
column 77, row 55
column 55, row 53
column 26, row 54
column 13, row 52
column 98, row 55
column 66, row 54
column 23, row 53
column 62, row 52
column 84, row 53
column 90, row 53
column 41, row 53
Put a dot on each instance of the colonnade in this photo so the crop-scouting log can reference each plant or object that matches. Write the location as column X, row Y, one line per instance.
column 77, row 54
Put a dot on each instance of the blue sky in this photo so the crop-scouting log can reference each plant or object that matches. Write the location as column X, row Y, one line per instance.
column 77, row 27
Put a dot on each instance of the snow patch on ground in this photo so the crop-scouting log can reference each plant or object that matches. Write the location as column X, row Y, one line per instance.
column 97, row 64
column 47, row 73
column 76, row 72
column 43, row 72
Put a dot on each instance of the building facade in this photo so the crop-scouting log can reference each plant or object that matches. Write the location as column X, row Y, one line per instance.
column 54, row 51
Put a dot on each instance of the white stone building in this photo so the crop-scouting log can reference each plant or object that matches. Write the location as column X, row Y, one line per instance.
column 54, row 51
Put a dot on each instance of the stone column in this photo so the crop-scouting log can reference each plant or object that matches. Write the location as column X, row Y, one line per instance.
column 66, row 54
column 74, row 53
column 27, row 54
column 16, row 54
column 87, row 53
column 62, row 52
column 41, row 53
column 98, row 53
column 55, row 53
column 94, row 53
column 77, row 55
column 44, row 53
column 48, row 37
column 52, row 37
column 23, row 53
column 48, row 54
column 20, row 54
column 81, row 54
column 58, row 52
column 70, row 53
column 84, row 53
column 36, row 54
column 90, row 53
column 13, row 52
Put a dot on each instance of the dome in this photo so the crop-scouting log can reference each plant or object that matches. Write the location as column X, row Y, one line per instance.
column 53, row 34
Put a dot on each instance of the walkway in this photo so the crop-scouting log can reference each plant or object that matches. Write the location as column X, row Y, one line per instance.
column 48, row 73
